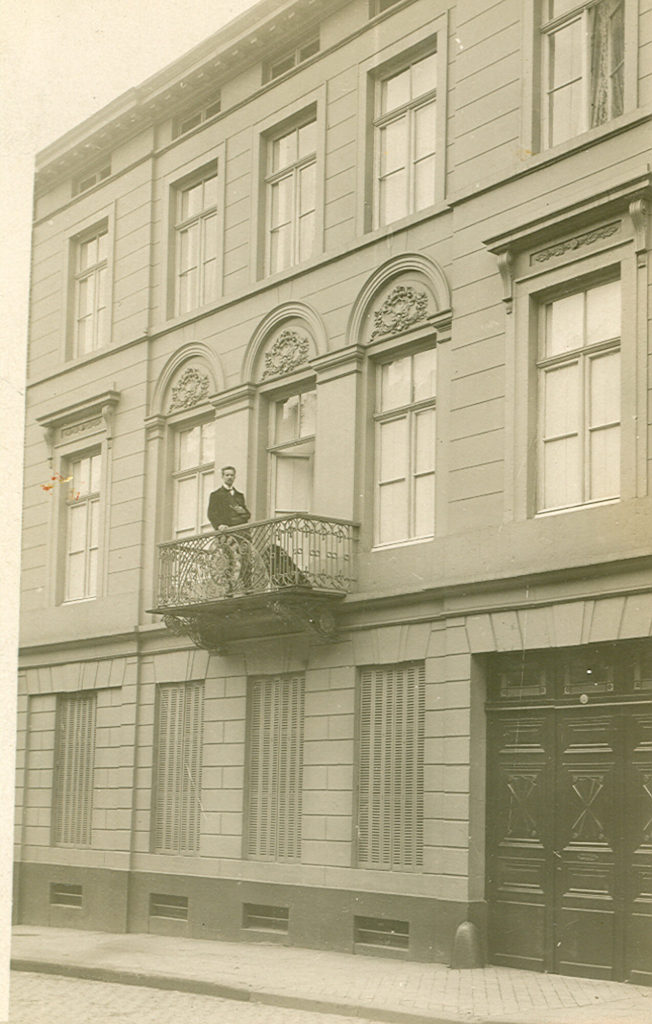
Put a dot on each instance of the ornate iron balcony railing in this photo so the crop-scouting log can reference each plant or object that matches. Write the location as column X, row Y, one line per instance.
column 297, row 550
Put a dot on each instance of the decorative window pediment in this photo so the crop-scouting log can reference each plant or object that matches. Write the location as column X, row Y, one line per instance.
column 289, row 351
column 190, row 388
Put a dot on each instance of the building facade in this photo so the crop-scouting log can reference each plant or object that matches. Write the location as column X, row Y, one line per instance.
column 389, row 260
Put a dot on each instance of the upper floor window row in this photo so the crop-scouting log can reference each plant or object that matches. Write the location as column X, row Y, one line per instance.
column 583, row 65
column 91, row 178
column 196, row 242
column 290, row 183
column 90, row 257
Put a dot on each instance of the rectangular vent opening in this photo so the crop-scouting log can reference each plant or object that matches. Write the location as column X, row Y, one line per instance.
column 379, row 931
column 62, row 895
column 266, row 918
column 164, row 905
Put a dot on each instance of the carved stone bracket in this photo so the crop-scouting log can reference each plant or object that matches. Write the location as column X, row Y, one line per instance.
column 638, row 211
column 289, row 352
column 191, row 388
column 506, row 268
column 403, row 307
column 200, row 629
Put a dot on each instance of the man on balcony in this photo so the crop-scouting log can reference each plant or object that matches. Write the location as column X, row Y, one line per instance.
column 226, row 506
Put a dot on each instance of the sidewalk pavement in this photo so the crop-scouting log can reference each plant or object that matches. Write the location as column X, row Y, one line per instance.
column 358, row 986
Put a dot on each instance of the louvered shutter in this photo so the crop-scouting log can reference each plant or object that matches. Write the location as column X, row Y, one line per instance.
column 275, row 768
column 391, row 714
column 177, row 771
column 74, row 765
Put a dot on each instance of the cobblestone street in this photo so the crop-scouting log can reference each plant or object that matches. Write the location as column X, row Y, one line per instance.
column 48, row 999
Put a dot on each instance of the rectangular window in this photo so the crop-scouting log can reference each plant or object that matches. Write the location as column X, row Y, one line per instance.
column 90, row 314
column 405, row 447
column 291, row 452
column 391, row 714
column 83, row 526
column 90, row 179
column 196, row 243
column 74, row 761
column 177, row 768
column 405, row 129
column 193, row 476
column 275, row 768
column 290, row 184
column 579, row 394
column 292, row 58
column 583, row 64
column 189, row 121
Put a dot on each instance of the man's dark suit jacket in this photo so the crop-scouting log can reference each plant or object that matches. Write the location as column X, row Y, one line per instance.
column 222, row 508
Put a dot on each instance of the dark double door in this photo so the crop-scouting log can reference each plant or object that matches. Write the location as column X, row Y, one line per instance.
column 569, row 839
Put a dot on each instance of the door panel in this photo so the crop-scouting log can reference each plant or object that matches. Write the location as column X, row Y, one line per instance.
column 569, row 855
column 587, row 843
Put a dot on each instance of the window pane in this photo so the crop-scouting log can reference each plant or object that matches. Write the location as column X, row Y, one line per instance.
column 284, row 150
column 102, row 242
column 94, row 531
column 424, row 369
column 293, row 483
column 604, row 389
column 566, row 54
column 424, row 75
column 562, row 401
column 395, row 382
column 307, row 189
column 603, row 312
column 81, row 476
column 191, row 201
column 393, row 198
column 188, row 291
column 566, row 113
column 280, row 248
column 424, row 506
column 75, row 582
column 88, row 253
column 207, row 431
column 210, row 192
column 565, row 324
column 287, row 419
column 395, row 91
column 308, row 413
column 188, row 448
column 393, row 441
column 210, row 237
column 95, row 471
column 424, row 456
column 605, row 463
column 77, row 522
column 186, row 512
column 393, row 524
column 189, row 247
column 91, row 586
column 307, row 139
column 86, row 302
column 281, row 202
column 207, row 482
column 562, row 481
column 424, row 184
column 306, row 236
column 424, row 130
column 393, row 146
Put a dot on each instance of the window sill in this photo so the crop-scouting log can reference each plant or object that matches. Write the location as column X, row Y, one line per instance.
column 546, row 513
column 410, row 542
column 587, row 138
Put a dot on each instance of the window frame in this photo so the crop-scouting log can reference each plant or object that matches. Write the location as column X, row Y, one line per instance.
column 275, row 448
column 293, row 55
column 533, row 281
column 74, row 500
column 534, row 27
column 289, row 172
column 182, row 225
column 175, row 475
column 387, row 60
column 582, row 357
column 409, row 411
column 101, row 338
column 186, row 808
column 201, row 115
column 171, row 190
column 268, row 129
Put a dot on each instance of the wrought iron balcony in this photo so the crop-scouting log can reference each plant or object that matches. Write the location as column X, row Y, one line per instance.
column 276, row 575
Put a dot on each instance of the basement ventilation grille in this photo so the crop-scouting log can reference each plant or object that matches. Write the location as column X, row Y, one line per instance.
column 175, row 907
column 62, row 895
column 265, row 918
column 381, row 932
